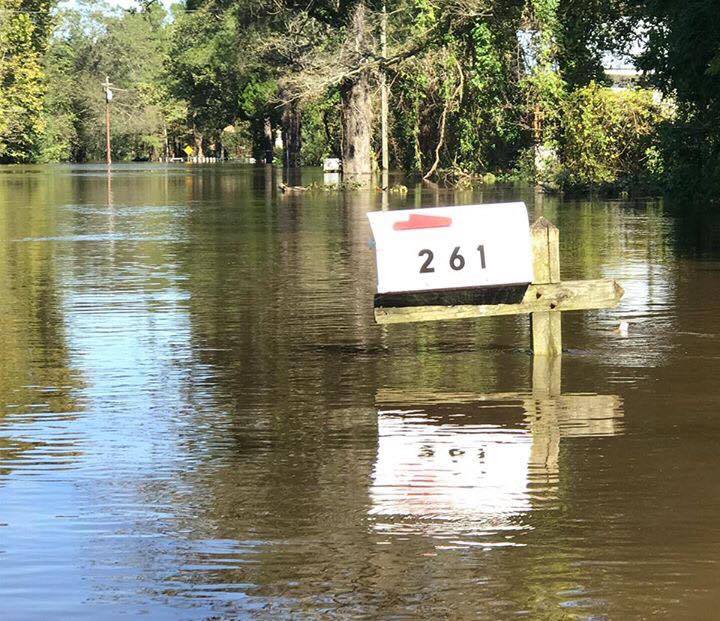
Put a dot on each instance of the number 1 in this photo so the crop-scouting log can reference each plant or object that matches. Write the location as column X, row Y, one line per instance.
column 481, row 250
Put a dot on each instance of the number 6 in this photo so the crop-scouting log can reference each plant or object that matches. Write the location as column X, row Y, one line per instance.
column 457, row 261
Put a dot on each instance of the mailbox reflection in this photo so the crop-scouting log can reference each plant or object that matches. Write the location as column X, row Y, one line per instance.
column 449, row 470
column 463, row 464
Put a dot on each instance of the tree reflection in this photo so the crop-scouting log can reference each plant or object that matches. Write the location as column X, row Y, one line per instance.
column 37, row 383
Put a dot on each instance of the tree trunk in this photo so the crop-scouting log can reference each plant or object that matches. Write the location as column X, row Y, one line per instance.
column 291, row 133
column 357, row 126
column 166, row 143
column 268, row 141
column 357, row 109
column 384, row 96
column 198, row 138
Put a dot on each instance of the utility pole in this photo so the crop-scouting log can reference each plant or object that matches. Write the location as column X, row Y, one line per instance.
column 384, row 94
column 108, row 99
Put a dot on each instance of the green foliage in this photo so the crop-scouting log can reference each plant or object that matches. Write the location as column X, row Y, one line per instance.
column 24, row 28
column 477, row 65
column 689, row 153
column 203, row 69
column 480, row 85
column 609, row 137
column 683, row 60
column 320, row 130
column 486, row 129
column 408, row 92
column 258, row 105
column 238, row 140
column 584, row 31
column 131, row 48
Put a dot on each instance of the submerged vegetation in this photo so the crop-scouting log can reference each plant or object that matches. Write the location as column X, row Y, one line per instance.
column 513, row 88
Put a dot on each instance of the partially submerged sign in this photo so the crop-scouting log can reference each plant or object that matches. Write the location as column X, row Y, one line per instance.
column 470, row 254
column 332, row 164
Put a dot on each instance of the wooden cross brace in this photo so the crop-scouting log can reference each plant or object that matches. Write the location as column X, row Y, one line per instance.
column 545, row 299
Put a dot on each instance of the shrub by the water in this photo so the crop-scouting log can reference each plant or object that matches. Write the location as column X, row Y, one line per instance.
column 609, row 137
column 690, row 148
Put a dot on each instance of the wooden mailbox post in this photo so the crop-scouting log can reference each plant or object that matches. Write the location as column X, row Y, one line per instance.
column 544, row 299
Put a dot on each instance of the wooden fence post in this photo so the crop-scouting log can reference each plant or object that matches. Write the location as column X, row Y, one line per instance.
column 546, row 325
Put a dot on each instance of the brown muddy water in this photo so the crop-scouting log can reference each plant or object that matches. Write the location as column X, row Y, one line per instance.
column 200, row 420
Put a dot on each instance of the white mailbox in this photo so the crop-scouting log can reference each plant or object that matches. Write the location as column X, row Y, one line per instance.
column 442, row 248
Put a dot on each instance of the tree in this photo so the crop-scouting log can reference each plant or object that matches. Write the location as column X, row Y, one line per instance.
column 203, row 68
column 132, row 48
column 682, row 58
column 24, row 30
column 336, row 45
column 585, row 31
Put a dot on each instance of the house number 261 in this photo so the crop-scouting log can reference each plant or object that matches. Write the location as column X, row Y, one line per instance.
column 457, row 261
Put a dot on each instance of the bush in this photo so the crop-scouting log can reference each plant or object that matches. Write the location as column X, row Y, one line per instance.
column 609, row 137
column 238, row 140
column 690, row 151
column 320, row 130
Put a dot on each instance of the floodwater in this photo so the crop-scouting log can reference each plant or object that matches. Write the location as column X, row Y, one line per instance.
column 199, row 418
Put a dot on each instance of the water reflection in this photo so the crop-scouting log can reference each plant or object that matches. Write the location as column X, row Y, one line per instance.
column 448, row 478
column 39, row 389
column 467, row 465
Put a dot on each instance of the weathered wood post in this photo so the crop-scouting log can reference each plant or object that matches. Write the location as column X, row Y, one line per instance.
column 546, row 376
column 546, row 325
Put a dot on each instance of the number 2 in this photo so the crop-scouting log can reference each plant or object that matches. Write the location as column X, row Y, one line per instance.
column 426, row 269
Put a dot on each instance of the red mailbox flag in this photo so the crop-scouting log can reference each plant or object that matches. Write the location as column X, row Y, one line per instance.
column 419, row 221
